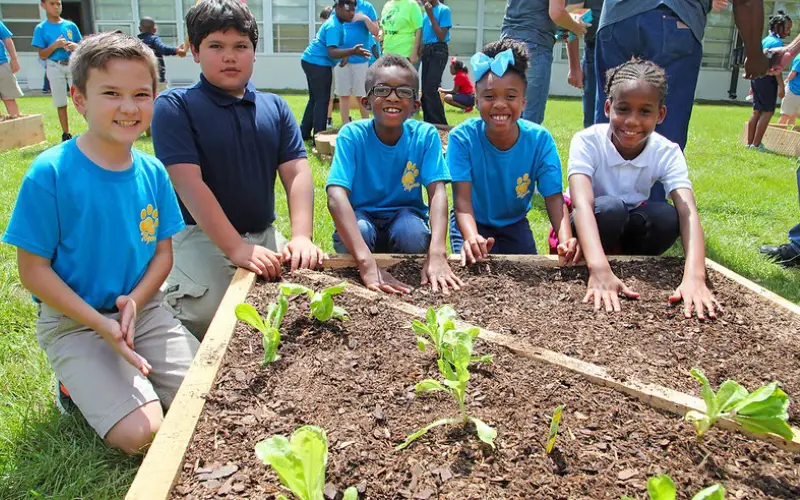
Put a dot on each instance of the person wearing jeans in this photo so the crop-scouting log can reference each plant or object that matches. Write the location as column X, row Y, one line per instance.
column 399, row 233
column 788, row 254
column 435, row 35
column 581, row 73
column 534, row 22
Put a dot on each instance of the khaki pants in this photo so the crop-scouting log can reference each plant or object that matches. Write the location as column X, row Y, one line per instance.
column 201, row 273
column 100, row 382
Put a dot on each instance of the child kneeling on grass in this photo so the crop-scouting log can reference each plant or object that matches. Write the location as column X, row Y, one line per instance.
column 612, row 167
column 495, row 161
column 93, row 225
column 376, row 178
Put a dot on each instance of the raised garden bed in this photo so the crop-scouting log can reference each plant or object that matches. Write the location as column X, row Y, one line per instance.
column 356, row 380
column 26, row 130
column 779, row 139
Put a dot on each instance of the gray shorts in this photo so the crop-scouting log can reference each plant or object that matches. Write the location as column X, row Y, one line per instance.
column 9, row 88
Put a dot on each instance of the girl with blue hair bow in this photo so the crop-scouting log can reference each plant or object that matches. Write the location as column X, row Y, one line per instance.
column 498, row 160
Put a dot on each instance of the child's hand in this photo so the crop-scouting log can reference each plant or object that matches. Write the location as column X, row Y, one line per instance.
column 694, row 292
column 781, row 92
column 112, row 332
column 437, row 272
column 180, row 50
column 475, row 249
column 569, row 252
column 14, row 65
column 60, row 42
column 378, row 280
column 70, row 46
column 359, row 50
column 258, row 259
column 127, row 318
column 303, row 254
column 605, row 287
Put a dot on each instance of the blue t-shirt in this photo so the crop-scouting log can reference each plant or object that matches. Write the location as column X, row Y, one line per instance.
column 4, row 34
column 98, row 227
column 794, row 83
column 442, row 14
column 503, row 181
column 357, row 32
column 46, row 33
column 529, row 21
column 239, row 143
column 771, row 41
column 373, row 43
column 692, row 12
column 330, row 34
column 384, row 179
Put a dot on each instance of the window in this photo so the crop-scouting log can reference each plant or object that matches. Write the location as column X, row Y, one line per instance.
column 165, row 17
column 290, row 25
column 464, row 33
column 113, row 10
column 255, row 6
column 126, row 28
column 21, row 19
column 718, row 40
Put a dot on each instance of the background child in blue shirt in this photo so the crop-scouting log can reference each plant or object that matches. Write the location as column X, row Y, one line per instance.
column 318, row 60
column 436, row 26
column 92, row 226
column 767, row 89
column 497, row 160
column 791, row 101
column 56, row 38
column 375, row 184
column 9, row 64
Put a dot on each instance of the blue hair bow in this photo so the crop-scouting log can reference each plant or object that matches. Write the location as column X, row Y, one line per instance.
column 482, row 64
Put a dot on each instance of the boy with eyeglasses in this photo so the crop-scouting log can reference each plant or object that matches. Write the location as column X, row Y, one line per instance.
column 375, row 183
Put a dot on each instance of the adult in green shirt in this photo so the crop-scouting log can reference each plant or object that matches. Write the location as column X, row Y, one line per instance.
column 402, row 28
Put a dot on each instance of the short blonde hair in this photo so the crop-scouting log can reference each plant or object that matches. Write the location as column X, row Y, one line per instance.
column 95, row 51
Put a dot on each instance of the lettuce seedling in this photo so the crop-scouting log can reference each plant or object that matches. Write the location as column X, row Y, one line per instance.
column 270, row 329
column 322, row 306
column 763, row 411
column 551, row 439
column 300, row 462
column 438, row 328
column 661, row 487
column 454, row 367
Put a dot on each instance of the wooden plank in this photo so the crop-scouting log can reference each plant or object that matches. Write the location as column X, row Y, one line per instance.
column 654, row 395
column 19, row 132
column 339, row 261
column 162, row 464
column 759, row 290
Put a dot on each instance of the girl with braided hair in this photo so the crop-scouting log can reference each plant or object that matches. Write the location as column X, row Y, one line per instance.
column 612, row 167
column 766, row 90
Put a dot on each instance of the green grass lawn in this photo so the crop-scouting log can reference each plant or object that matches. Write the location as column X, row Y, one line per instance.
column 745, row 199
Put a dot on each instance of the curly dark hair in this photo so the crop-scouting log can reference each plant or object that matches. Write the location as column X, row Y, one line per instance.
column 778, row 22
column 390, row 61
column 635, row 70
column 521, row 58
column 208, row 16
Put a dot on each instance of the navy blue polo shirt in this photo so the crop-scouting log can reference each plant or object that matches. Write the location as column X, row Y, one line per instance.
column 237, row 142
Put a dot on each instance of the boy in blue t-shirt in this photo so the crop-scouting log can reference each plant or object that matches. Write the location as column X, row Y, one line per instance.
column 92, row 225
column 56, row 38
column 9, row 64
column 790, row 104
column 376, row 179
column 497, row 160
column 224, row 144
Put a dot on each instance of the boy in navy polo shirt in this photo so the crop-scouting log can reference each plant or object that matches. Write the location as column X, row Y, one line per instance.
column 376, row 179
column 223, row 143
column 92, row 226
column 56, row 38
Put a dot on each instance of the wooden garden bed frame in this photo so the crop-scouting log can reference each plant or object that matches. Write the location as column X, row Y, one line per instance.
column 162, row 466
column 26, row 130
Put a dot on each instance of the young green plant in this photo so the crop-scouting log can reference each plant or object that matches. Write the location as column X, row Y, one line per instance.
column 321, row 303
column 270, row 329
column 438, row 323
column 551, row 439
column 763, row 411
column 454, row 366
column 300, row 462
column 661, row 487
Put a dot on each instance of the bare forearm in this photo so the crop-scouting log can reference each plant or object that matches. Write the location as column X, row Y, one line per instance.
column 373, row 27
column 346, row 224
column 11, row 49
column 440, row 32
column 48, row 287
column 558, row 214
column 417, row 41
column 589, row 236
column 561, row 17
column 693, row 242
column 156, row 273
column 749, row 18
column 438, row 219
column 300, row 197
column 572, row 54
column 337, row 53
column 208, row 214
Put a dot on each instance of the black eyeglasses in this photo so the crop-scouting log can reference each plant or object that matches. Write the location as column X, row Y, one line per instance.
column 404, row 92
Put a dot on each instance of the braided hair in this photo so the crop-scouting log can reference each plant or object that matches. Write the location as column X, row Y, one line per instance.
column 520, row 51
column 459, row 65
column 634, row 71
column 777, row 23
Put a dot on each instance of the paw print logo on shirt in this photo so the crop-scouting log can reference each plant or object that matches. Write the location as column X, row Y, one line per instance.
column 523, row 186
column 69, row 35
column 410, row 177
column 149, row 224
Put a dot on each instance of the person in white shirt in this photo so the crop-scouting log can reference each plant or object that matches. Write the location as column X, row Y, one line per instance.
column 611, row 170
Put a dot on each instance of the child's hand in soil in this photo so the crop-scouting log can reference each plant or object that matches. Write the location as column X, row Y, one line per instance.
column 303, row 254
column 695, row 293
column 378, row 280
column 605, row 287
column 476, row 249
column 569, row 252
column 258, row 259
column 437, row 272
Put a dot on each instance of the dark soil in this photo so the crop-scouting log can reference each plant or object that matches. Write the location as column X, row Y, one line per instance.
column 356, row 380
column 752, row 342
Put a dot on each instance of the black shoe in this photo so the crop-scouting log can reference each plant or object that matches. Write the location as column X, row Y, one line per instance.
column 330, row 122
column 66, row 136
column 784, row 255
column 63, row 401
